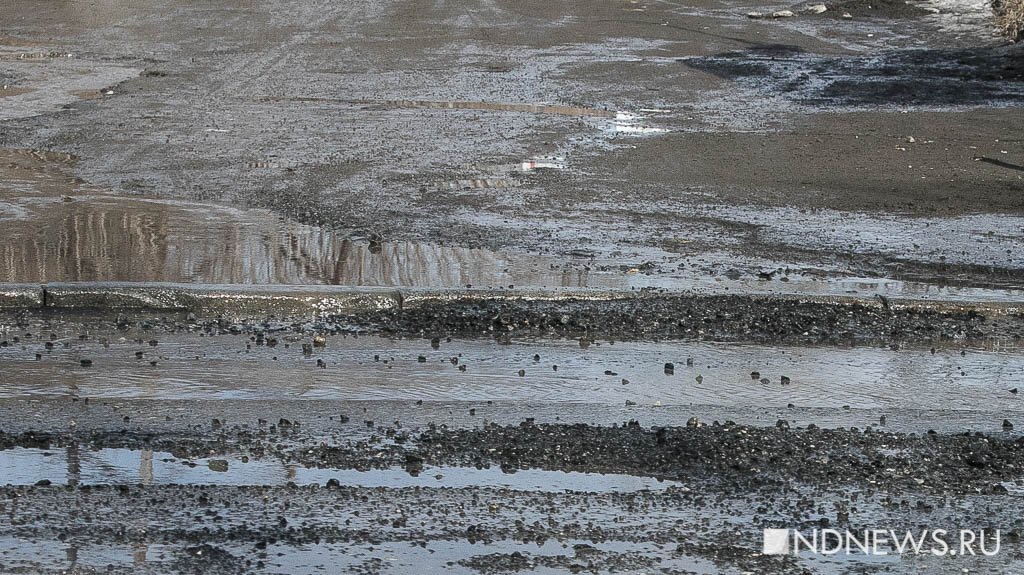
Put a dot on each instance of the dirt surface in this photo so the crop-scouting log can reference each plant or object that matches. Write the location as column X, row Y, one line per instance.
column 410, row 122
column 507, row 287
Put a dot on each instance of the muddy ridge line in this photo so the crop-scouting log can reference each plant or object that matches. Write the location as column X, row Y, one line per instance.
column 648, row 315
column 715, row 318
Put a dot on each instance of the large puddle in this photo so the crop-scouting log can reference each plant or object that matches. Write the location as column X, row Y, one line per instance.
column 76, row 465
column 619, row 374
column 57, row 228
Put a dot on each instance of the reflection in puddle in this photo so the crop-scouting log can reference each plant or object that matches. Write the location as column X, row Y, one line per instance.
column 114, row 466
column 56, row 229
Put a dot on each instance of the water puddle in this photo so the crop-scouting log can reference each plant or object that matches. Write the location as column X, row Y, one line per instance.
column 21, row 555
column 58, row 228
column 629, row 123
column 459, row 557
column 74, row 465
column 619, row 374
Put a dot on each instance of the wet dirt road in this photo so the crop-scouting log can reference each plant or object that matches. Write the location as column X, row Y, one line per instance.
column 678, row 139
column 502, row 287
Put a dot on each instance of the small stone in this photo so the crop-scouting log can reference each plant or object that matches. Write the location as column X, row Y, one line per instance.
column 847, row 15
column 86, row 362
column 782, row 424
column 319, row 341
column 783, row 14
column 784, row 380
column 1014, row 391
column 219, row 465
column 462, row 367
column 881, row 420
column 693, row 422
column 1007, row 425
column 670, row 368
column 699, row 378
column 625, row 381
column 815, row 9
column 609, row 372
column 522, row 373
column 755, row 375
column 307, row 349
column 421, row 359
column 435, row 343
column 689, row 362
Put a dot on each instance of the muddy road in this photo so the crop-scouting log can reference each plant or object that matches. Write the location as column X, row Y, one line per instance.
column 508, row 287
column 686, row 140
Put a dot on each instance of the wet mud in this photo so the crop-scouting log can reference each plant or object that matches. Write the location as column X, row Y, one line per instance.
column 506, row 287
column 761, row 475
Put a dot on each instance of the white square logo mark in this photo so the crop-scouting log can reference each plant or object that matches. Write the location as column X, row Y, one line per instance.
column 776, row 542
